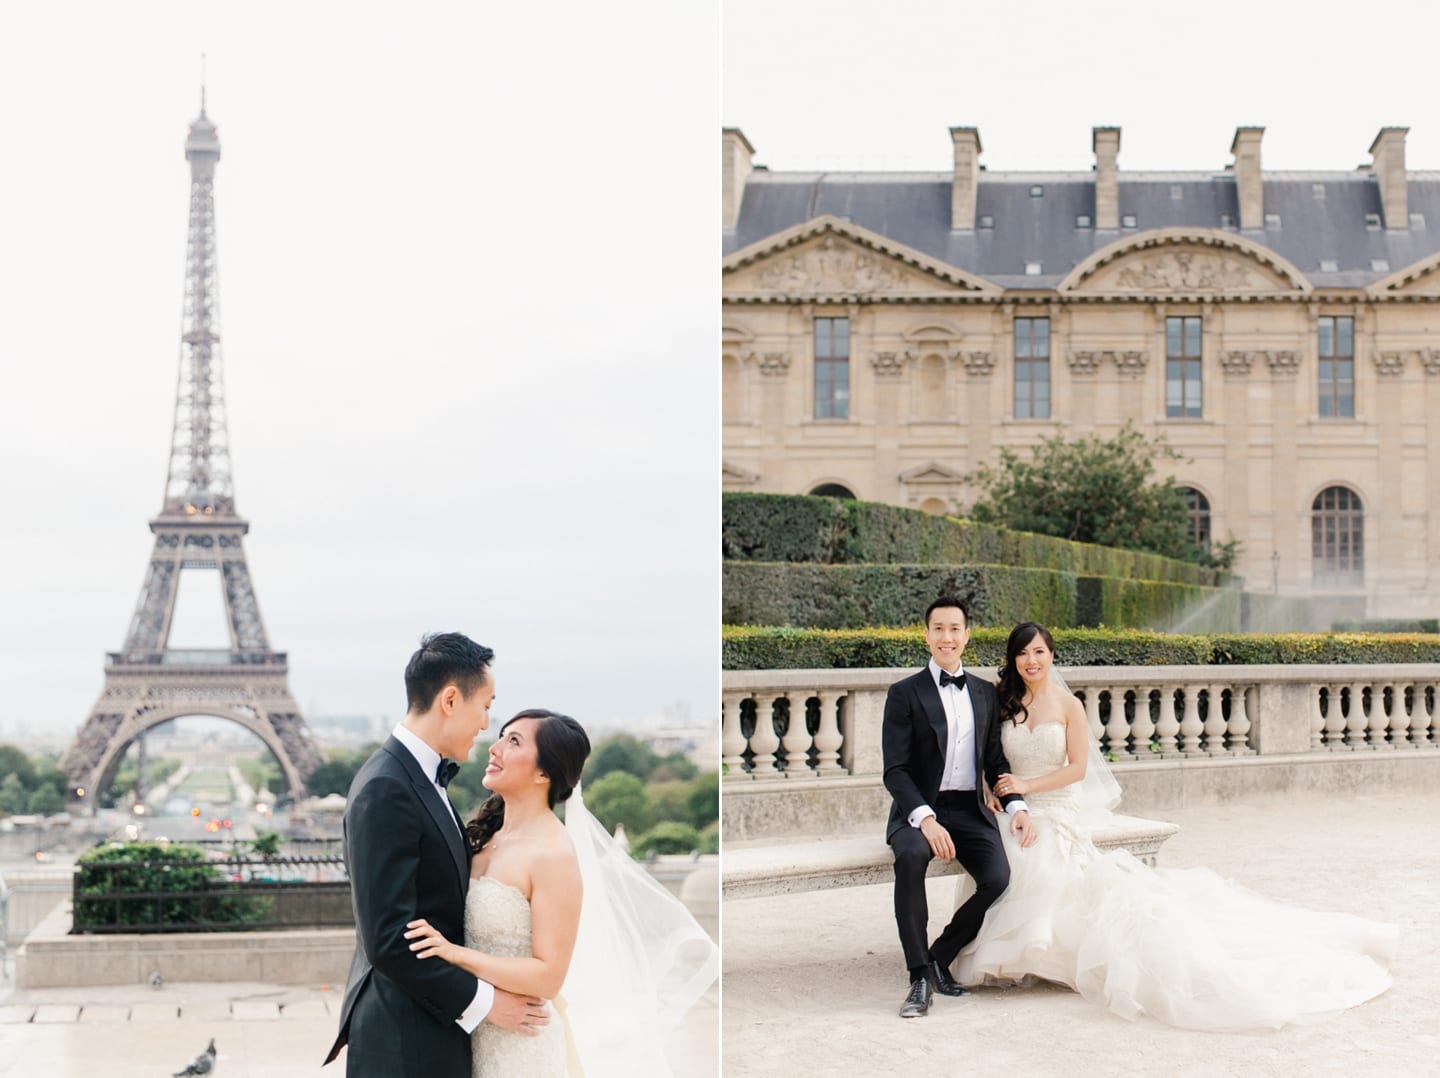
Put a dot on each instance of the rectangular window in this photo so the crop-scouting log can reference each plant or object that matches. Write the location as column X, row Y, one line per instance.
column 1032, row 368
column 832, row 368
column 1337, row 367
column 1182, row 367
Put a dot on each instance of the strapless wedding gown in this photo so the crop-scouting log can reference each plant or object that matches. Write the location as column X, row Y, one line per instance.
column 497, row 921
column 1181, row 945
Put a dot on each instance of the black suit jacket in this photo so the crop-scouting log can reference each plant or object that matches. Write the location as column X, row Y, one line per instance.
column 913, row 739
column 406, row 860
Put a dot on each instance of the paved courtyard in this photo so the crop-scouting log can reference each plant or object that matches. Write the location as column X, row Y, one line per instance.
column 260, row 1031
column 812, row 982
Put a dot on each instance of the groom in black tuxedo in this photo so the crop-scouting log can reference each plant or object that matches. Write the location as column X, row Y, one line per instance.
column 941, row 740
column 407, row 857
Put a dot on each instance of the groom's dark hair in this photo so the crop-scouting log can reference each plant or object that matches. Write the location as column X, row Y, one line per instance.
column 444, row 659
column 943, row 602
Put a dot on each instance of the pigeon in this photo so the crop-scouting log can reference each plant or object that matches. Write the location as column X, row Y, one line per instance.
column 156, row 981
column 204, row 1063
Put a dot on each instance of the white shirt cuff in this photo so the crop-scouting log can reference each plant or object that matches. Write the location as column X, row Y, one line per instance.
column 1016, row 806
column 479, row 1007
column 918, row 816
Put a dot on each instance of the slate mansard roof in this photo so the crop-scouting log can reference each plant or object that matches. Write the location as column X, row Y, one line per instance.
column 1322, row 217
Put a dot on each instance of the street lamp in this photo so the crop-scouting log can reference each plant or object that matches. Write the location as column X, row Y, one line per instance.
column 1275, row 566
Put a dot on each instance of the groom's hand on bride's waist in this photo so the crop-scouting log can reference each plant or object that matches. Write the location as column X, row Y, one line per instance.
column 519, row 1014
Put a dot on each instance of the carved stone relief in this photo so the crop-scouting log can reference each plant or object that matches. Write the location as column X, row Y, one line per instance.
column 979, row 364
column 1391, row 364
column 888, row 364
column 1084, row 362
column 1131, row 364
column 1238, row 363
column 1430, row 359
column 1282, row 362
column 771, row 364
column 833, row 265
column 1183, row 271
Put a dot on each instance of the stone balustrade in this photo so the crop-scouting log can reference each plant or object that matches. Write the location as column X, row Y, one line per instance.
column 818, row 724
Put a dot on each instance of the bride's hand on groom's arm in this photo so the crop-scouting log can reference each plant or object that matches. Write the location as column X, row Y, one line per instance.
column 427, row 942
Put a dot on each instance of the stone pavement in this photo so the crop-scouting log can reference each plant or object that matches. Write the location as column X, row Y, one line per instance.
column 812, row 982
column 260, row 1031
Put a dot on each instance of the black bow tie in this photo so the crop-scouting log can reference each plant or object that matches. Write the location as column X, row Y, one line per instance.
column 445, row 771
column 951, row 679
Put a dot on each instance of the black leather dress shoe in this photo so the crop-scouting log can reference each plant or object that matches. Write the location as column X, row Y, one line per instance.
column 942, row 982
column 917, row 1003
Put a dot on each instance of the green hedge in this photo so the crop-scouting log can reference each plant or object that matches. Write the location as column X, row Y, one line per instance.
column 836, row 531
column 745, row 647
column 855, row 596
column 151, row 883
column 1388, row 625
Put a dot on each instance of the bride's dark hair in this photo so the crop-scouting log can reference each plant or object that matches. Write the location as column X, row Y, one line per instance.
column 1011, row 687
column 561, row 749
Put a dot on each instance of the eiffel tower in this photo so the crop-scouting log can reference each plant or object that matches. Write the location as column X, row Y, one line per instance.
column 149, row 682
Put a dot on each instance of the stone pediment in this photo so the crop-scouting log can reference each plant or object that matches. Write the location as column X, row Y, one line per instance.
column 932, row 472
column 1184, row 262
column 1420, row 279
column 733, row 473
column 831, row 258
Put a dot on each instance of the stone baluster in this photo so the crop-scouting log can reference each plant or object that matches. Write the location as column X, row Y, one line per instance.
column 1092, row 716
column 1142, row 726
column 1190, row 726
column 763, row 741
column 1335, row 719
column 1317, row 719
column 732, row 739
column 1167, row 727
column 1117, row 730
column 828, row 738
column 1356, row 721
column 1422, row 721
column 1399, row 716
column 1215, row 720
column 1238, row 726
column 797, row 740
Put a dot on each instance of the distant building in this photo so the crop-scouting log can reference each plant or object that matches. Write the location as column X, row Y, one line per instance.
column 885, row 333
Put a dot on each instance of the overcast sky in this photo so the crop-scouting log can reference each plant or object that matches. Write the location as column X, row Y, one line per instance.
column 841, row 84
column 468, row 306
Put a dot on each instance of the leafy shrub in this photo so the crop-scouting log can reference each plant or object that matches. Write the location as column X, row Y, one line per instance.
column 151, row 883
column 710, row 837
column 772, row 648
column 1388, row 625
column 667, row 836
column 833, row 531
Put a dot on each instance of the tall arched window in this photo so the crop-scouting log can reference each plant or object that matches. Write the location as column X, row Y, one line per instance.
column 1198, row 507
column 1337, row 529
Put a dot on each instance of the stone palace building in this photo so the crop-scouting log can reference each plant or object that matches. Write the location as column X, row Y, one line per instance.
column 885, row 333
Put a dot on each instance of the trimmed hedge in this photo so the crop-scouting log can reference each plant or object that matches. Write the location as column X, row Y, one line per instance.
column 1388, row 625
column 770, row 648
column 855, row 596
column 836, row 531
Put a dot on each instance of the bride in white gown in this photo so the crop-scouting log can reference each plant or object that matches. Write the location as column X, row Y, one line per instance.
column 555, row 904
column 1183, row 946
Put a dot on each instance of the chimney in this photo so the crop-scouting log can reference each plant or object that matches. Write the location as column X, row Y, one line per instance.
column 967, row 177
column 1388, row 152
column 1105, row 141
column 1248, row 183
column 735, row 165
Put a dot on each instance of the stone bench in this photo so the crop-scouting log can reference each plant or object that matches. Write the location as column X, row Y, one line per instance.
column 758, row 871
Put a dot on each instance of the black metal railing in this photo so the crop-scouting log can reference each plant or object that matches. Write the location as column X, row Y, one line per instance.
column 227, row 894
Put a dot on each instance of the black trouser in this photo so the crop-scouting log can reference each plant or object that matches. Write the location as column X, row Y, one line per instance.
column 980, row 852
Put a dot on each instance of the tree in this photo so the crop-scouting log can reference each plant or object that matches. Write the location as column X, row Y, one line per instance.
column 668, row 800
column 45, row 800
column 337, row 772
column 1091, row 490
column 703, row 801
column 667, row 836
column 15, row 762
column 13, row 797
column 620, row 753
column 619, row 797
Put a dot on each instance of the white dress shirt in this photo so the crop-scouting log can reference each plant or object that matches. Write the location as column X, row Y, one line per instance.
column 429, row 761
column 959, row 773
